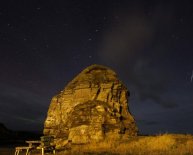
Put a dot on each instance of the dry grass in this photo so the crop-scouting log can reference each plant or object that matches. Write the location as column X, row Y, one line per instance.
column 142, row 145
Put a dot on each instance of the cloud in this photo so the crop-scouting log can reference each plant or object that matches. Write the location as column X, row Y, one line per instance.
column 134, row 29
column 130, row 35
column 147, row 122
column 151, row 82
column 19, row 106
column 132, row 46
column 158, row 99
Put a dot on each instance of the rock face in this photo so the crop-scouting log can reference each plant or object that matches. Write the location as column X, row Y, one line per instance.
column 93, row 106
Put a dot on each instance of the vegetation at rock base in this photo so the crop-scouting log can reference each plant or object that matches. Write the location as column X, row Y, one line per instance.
column 166, row 144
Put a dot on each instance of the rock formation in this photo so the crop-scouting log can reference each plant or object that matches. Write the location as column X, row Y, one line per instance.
column 92, row 107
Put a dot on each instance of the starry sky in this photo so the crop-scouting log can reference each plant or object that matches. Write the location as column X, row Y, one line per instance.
column 44, row 44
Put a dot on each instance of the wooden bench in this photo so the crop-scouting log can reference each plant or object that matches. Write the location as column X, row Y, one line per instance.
column 21, row 148
column 47, row 144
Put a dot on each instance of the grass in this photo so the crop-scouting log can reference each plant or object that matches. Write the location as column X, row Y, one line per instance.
column 166, row 144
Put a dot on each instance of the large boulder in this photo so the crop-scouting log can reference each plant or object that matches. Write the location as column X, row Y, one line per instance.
column 92, row 107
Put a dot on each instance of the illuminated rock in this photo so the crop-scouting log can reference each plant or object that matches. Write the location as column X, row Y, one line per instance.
column 92, row 107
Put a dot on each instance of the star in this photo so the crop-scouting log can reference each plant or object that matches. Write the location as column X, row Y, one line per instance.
column 181, row 20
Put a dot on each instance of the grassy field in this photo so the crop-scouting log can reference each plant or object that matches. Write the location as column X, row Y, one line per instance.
column 167, row 144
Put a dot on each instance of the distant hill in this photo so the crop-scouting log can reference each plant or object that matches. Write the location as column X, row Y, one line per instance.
column 4, row 132
column 13, row 137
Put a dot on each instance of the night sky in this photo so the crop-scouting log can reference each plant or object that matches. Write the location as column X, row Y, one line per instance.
column 44, row 44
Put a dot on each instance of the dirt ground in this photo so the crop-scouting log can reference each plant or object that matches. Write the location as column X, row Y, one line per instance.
column 7, row 150
column 11, row 151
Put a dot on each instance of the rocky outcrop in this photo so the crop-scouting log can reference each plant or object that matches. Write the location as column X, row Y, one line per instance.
column 93, row 106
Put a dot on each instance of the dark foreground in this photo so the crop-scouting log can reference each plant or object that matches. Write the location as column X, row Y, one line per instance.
column 7, row 151
column 11, row 151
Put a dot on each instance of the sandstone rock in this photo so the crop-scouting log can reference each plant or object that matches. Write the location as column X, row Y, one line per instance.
column 93, row 106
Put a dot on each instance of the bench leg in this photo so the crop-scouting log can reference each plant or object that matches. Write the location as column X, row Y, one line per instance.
column 27, row 152
column 16, row 152
column 42, row 151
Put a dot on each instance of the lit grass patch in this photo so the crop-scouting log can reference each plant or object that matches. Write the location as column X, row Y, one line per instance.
column 167, row 144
